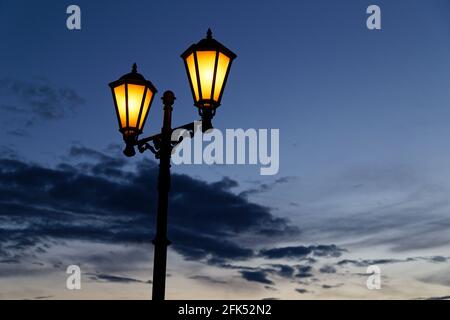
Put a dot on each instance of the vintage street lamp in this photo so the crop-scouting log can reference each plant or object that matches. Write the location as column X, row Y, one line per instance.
column 207, row 63
column 133, row 96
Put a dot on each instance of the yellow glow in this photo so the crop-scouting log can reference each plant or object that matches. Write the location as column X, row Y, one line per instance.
column 148, row 98
column 193, row 75
column 206, row 61
column 222, row 67
column 119, row 93
column 135, row 96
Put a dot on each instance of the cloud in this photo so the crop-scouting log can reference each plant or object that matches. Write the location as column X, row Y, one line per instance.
column 285, row 271
column 95, row 197
column 39, row 98
column 328, row 269
column 437, row 298
column 208, row 279
column 301, row 291
column 256, row 276
column 8, row 152
column 368, row 202
column 42, row 297
column 302, row 252
column 114, row 279
column 329, row 286
column 265, row 187
column 100, row 199
column 304, row 271
column 21, row 133
column 369, row 262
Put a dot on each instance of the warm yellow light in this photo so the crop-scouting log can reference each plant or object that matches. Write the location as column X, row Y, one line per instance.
column 222, row 67
column 119, row 93
column 148, row 98
column 206, row 61
column 135, row 97
column 193, row 75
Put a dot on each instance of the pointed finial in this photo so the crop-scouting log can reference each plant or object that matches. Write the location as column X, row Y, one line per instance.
column 209, row 34
column 134, row 70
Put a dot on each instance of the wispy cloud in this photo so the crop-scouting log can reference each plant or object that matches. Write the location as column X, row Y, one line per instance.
column 114, row 278
column 40, row 98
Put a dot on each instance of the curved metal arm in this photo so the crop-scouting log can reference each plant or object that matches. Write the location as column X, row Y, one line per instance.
column 153, row 143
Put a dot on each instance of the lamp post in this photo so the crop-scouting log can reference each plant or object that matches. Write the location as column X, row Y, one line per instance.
column 207, row 64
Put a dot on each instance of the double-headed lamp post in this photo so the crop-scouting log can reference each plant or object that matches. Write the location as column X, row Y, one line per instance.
column 207, row 64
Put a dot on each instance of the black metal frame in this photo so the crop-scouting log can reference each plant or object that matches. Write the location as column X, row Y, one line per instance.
column 130, row 134
column 153, row 143
column 161, row 145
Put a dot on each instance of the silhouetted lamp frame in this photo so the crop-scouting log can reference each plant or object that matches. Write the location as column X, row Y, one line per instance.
column 207, row 73
column 144, row 99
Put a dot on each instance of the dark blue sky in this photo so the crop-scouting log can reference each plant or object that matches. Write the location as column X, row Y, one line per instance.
column 311, row 68
column 364, row 116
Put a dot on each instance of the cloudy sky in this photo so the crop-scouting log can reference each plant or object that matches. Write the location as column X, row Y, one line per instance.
column 364, row 119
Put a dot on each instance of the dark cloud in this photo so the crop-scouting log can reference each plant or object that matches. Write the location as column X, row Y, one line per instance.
column 437, row 259
column 208, row 279
column 303, row 252
column 328, row 269
column 225, row 184
column 301, row 291
column 93, row 197
column 42, row 297
column 437, row 298
column 265, row 187
column 369, row 262
column 9, row 261
column 115, row 279
column 270, row 288
column 262, row 274
column 8, row 152
column 329, row 286
column 39, row 98
column 256, row 276
column 304, row 271
column 283, row 270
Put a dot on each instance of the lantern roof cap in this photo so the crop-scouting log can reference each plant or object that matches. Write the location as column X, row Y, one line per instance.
column 134, row 77
column 208, row 44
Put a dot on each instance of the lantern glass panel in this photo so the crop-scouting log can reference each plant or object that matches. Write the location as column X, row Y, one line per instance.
column 135, row 96
column 222, row 67
column 119, row 93
column 206, row 61
column 145, row 108
column 190, row 61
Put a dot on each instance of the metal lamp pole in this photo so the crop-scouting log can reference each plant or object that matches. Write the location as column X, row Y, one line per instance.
column 162, row 146
column 161, row 242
